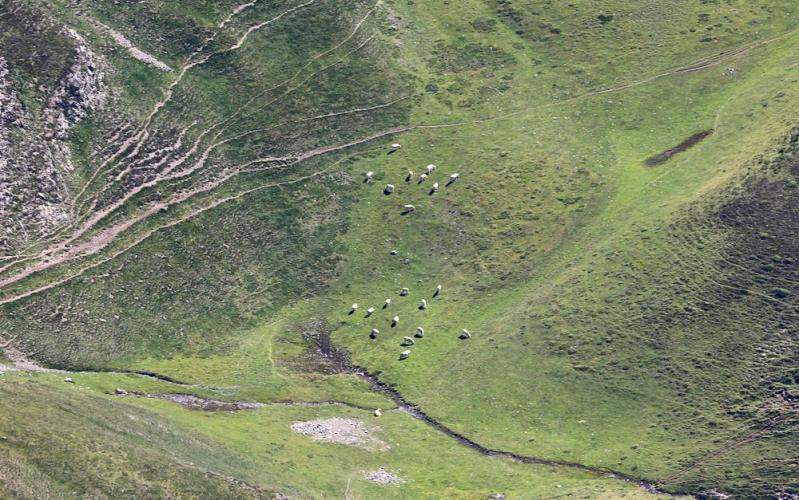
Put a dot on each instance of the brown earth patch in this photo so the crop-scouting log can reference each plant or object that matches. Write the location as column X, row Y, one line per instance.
column 665, row 156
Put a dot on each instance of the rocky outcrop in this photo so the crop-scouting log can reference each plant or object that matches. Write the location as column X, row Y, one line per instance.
column 35, row 158
column 10, row 106
column 79, row 92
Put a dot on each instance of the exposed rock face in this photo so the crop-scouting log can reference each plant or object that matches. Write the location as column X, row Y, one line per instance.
column 34, row 155
column 10, row 106
column 79, row 92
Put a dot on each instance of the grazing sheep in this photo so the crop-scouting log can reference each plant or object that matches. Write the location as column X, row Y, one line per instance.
column 465, row 334
column 378, row 412
column 393, row 252
column 374, row 333
column 423, row 304
column 430, row 169
column 434, row 189
column 353, row 308
column 394, row 148
column 368, row 176
column 453, row 178
column 388, row 189
column 437, row 292
column 422, row 178
column 409, row 177
column 404, row 355
column 419, row 332
column 69, row 380
column 370, row 311
column 407, row 341
column 406, row 209
column 386, row 303
column 395, row 321
column 404, row 292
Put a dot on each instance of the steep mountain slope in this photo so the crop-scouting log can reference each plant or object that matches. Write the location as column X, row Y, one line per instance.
column 183, row 193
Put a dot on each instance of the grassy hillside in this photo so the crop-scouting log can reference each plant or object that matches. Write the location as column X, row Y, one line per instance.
column 626, row 317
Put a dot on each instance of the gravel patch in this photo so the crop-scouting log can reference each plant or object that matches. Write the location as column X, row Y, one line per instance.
column 347, row 431
column 202, row 404
column 384, row 477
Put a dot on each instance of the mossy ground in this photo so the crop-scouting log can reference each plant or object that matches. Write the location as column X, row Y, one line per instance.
column 603, row 295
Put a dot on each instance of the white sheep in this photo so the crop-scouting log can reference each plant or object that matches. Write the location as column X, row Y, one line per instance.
column 434, row 189
column 404, row 355
column 422, row 178
column 370, row 311
column 453, row 178
column 353, row 308
column 419, row 332
column 406, row 209
column 404, row 292
column 369, row 176
column 386, row 303
column 430, row 168
column 407, row 341
column 465, row 334
column 423, row 304
column 437, row 292
column 389, row 189
column 409, row 176
column 395, row 321
column 374, row 333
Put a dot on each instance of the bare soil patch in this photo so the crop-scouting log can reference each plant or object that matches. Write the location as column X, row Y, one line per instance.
column 665, row 156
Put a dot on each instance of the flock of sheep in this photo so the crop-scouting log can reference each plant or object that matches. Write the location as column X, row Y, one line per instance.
column 389, row 188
